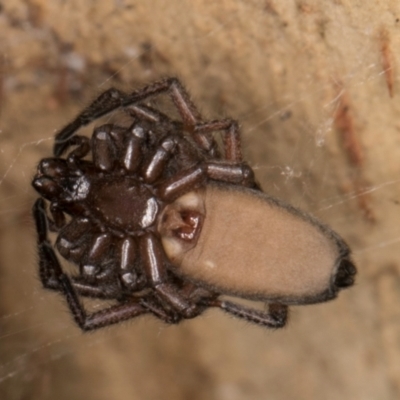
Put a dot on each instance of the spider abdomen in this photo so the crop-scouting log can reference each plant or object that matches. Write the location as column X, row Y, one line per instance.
column 256, row 247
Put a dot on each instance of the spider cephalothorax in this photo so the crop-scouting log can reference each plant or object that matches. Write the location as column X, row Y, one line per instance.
column 134, row 205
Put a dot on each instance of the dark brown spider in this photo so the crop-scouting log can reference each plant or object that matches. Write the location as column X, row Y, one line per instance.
column 157, row 219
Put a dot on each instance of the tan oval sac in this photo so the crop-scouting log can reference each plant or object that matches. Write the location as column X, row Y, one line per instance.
column 254, row 246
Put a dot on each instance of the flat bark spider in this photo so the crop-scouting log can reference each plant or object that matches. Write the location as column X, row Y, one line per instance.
column 161, row 221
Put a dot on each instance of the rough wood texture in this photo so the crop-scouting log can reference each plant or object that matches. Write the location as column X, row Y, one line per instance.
column 314, row 84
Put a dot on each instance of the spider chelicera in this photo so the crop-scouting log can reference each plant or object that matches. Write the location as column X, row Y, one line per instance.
column 157, row 218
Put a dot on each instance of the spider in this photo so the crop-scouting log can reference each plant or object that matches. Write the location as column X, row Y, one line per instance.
column 156, row 217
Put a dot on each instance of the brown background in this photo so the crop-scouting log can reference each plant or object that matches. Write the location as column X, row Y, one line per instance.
column 315, row 86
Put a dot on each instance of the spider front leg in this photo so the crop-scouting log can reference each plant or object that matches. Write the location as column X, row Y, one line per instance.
column 54, row 278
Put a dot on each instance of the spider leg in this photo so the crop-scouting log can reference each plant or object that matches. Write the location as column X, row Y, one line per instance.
column 48, row 182
column 128, row 250
column 177, row 93
column 112, row 147
column 57, row 221
column 82, row 148
column 194, row 177
column 232, row 146
column 153, row 305
column 46, row 254
column 53, row 277
column 83, row 247
column 109, row 145
column 240, row 173
column 98, row 249
column 154, row 258
column 48, row 259
column 231, row 137
column 86, row 288
column 275, row 317
column 158, row 161
column 111, row 315
column 73, row 240
column 146, row 112
column 49, row 266
column 113, row 99
column 181, row 99
column 79, row 244
column 108, row 101
column 196, row 295
column 104, row 147
column 58, row 217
